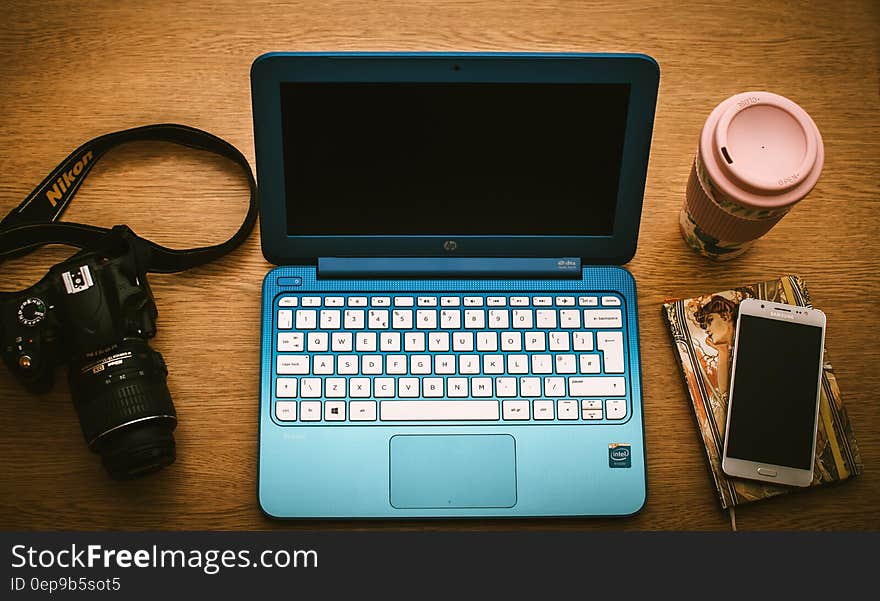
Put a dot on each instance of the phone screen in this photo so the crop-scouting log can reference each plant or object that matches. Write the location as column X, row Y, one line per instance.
column 773, row 408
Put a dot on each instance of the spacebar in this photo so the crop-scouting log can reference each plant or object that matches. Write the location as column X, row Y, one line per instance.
column 405, row 411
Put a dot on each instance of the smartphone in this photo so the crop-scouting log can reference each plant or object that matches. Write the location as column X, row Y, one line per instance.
column 774, row 393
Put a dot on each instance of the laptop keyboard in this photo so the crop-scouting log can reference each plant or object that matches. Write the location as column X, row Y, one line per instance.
column 464, row 358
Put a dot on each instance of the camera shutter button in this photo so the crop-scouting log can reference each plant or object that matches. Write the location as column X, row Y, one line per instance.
column 31, row 312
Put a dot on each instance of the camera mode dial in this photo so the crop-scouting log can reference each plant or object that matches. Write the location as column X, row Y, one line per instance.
column 31, row 312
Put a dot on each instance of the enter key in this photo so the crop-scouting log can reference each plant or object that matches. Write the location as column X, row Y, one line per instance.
column 611, row 345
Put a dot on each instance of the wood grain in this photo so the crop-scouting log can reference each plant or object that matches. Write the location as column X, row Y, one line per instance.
column 71, row 71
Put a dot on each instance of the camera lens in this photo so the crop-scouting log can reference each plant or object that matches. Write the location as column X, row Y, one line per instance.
column 125, row 408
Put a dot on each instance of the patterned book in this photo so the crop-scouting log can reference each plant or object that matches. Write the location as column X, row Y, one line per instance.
column 702, row 330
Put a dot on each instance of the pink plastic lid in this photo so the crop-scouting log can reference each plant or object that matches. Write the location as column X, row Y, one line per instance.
column 762, row 150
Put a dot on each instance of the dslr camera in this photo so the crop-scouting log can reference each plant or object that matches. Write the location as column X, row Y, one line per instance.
column 95, row 312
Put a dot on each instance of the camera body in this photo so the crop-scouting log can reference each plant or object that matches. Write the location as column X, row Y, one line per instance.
column 95, row 313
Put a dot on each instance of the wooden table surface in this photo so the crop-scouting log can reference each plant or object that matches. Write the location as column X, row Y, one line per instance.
column 71, row 71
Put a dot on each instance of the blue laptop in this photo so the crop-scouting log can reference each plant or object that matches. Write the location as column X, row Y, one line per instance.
column 449, row 332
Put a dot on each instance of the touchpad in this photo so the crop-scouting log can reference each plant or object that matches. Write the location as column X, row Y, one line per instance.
column 436, row 472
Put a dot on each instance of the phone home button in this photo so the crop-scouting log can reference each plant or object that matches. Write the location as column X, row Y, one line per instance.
column 764, row 471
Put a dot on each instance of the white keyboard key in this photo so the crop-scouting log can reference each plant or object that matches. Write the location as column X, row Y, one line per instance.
column 505, row 387
column 457, row 387
column 354, row 319
column 565, row 364
column 310, row 388
column 380, row 301
column 515, row 410
column 569, row 318
column 371, row 365
column 591, row 414
column 395, row 364
column 322, row 365
column 588, row 301
column 334, row 301
column 357, row 301
column 555, row 388
column 493, row 364
column 590, row 404
column 438, row 410
column 473, row 301
column 403, row 301
column 590, row 364
column 310, row 411
column 543, row 409
column 427, row 301
column 285, row 319
column 438, row 342
column 359, row 388
column 306, row 319
column 583, row 341
column 610, row 301
column 567, row 409
column 499, row 319
column 290, row 342
column 384, row 387
column 517, row 364
column 318, row 342
column 334, row 388
column 389, row 342
column 362, row 411
column 519, row 301
column 449, row 301
column 522, row 318
column 311, row 301
column 542, row 364
column 481, row 387
column 444, row 364
column 420, row 364
column 365, row 342
column 414, row 342
column 334, row 411
column 450, row 319
column 546, row 318
column 285, row 411
column 597, row 386
column 469, row 364
column 426, row 319
column 487, row 342
column 565, row 301
column 292, row 364
column 347, row 365
column 402, row 319
column 408, row 387
column 496, row 301
column 602, row 318
column 559, row 341
column 463, row 342
column 542, row 301
column 536, row 341
column 288, row 301
column 432, row 387
column 615, row 408
column 474, row 318
column 285, row 388
column 611, row 345
column 529, row 387
column 378, row 319
column 511, row 341
column 341, row 342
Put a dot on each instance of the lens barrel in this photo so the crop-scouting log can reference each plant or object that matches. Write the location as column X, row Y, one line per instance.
column 125, row 408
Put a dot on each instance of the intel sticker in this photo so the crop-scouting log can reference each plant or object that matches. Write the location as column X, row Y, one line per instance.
column 619, row 455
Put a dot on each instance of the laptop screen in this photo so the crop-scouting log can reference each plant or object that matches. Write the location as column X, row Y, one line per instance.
column 415, row 158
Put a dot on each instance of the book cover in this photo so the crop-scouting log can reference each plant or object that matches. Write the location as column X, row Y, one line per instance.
column 702, row 330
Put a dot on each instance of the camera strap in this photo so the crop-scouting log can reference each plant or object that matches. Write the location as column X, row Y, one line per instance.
column 34, row 222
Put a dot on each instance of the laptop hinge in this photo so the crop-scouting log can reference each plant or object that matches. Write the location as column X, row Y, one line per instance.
column 449, row 267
